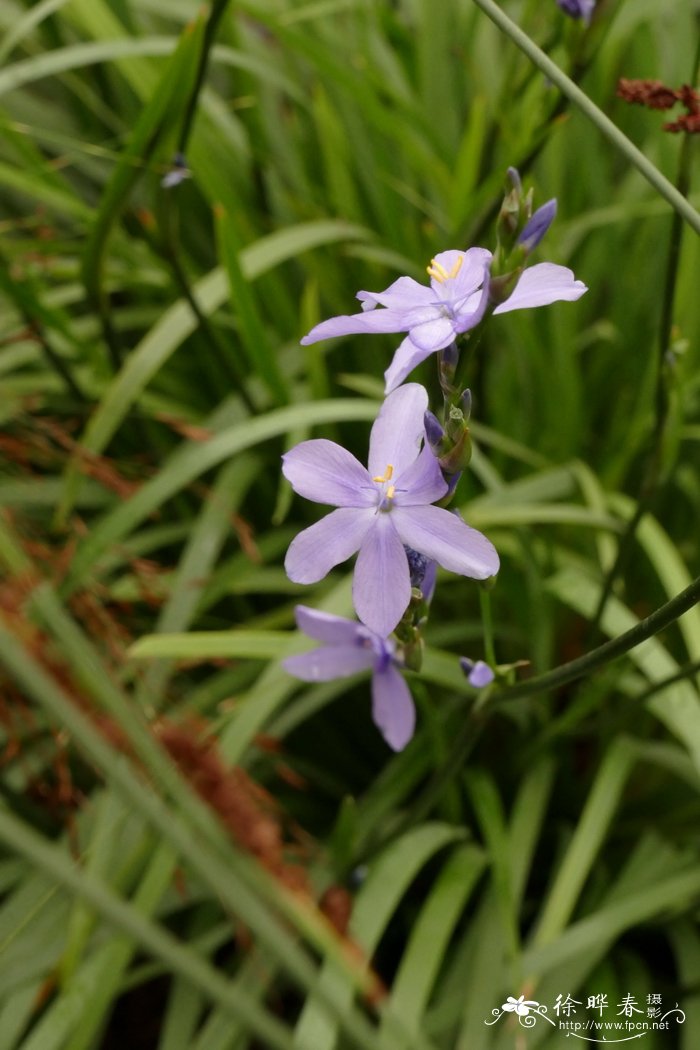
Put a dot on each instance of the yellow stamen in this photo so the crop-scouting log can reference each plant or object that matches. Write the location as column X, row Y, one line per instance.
column 438, row 271
column 390, row 491
column 457, row 267
column 386, row 476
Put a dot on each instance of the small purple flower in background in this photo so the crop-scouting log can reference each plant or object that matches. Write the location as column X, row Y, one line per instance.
column 380, row 511
column 350, row 647
column 454, row 302
column 177, row 174
column 478, row 674
column 578, row 8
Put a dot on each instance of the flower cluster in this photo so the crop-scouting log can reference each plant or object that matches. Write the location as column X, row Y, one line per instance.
column 393, row 513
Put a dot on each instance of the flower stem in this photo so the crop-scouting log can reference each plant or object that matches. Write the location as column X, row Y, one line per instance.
column 654, row 471
column 608, row 651
column 472, row 726
column 487, row 622
column 215, row 15
column 579, row 98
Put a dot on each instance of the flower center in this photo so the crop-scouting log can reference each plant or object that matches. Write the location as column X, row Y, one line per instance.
column 386, row 495
column 384, row 648
column 437, row 271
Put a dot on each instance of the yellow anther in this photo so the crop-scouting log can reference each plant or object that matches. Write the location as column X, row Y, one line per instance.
column 386, row 476
column 457, row 267
column 390, row 491
column 438, row 271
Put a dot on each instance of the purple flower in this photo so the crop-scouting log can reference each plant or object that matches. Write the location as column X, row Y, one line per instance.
column 177, row 173
column 454, row 302
column 578, row 8
column 478, row 674
column 350, row 647
column 380, row 510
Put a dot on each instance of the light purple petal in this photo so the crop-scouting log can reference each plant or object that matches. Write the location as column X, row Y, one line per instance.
column 441, row 535
column 329, row 662
column 480, row 675
column 398, row 430
column 471, row 274
column 471, row 311
column 350, row 324
column 434, row 334
column 315, row 551
column 324, row 472
column 407, row 357
column 420, row 483
column 392, row 707
column 403, row 294
column 543, row 284
column 381, row 586
column 325, row 627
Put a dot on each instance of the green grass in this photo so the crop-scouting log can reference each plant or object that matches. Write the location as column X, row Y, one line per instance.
column 150, row 378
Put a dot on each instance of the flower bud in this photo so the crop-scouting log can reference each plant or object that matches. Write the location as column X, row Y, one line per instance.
column 582, row 9
column 537, row 226
column 478, row 674
column 434, row 432
column 466, row 402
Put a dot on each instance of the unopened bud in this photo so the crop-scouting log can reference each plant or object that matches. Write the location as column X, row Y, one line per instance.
column 466, row 402
column 514, row 176
column 537, row 226
column 478, row 674
column 434, row 432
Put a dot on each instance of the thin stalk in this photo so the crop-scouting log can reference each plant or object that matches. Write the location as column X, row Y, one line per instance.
column 217, row 12
column 653, row 471
column 605, row 653
column 23, row 300
column 228, row 367
column 687, row 671
column 487, row 624
column 222, row 353
column 474, row 724
column 589, row 109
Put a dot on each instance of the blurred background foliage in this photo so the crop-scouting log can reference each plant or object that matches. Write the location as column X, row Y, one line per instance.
column 198, row 852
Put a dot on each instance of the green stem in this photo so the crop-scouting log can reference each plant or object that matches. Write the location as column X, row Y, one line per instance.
column 654, row 463
column 217, row 13
column 473, row 725
column 687, row 671
column 487, row 622
column 603, row 654
column 579, row 98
